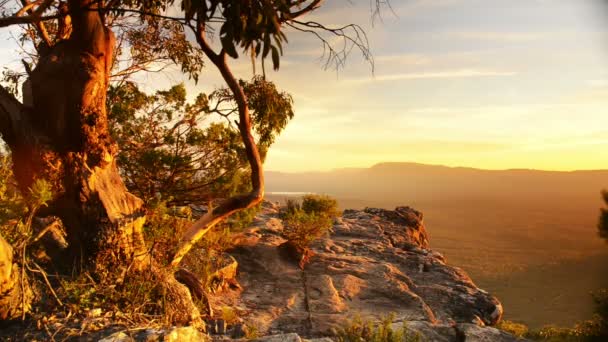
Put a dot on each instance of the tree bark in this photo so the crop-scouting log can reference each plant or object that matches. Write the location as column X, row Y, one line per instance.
column 239, row 202
column 63, row 138
column 61, row 135
column 15, row 292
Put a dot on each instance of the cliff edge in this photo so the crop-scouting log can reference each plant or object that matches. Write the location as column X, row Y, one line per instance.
column 373, row 263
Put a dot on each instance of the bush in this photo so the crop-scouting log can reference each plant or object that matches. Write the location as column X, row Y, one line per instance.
column 585, row 331
column 302, row 228
column 320, row 204
column 357, row 330
column 518, row 329
column 307, row 221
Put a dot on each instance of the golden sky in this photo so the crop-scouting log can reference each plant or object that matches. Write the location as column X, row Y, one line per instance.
column 487, row 84
column 481, row 83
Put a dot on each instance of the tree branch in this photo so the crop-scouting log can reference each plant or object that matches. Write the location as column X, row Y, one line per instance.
column 311, row 7
column 44, row 34
column 239, row 202
column 32, row 18
column 28, row 19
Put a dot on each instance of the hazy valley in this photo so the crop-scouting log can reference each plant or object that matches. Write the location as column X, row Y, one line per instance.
column 527, row 236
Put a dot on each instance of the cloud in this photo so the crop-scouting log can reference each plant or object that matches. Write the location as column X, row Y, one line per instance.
column 498, row 36
column 404, row 59
column 460, row 73
column 597, row 83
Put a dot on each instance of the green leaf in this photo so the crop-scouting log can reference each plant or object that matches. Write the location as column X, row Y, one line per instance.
column 258, row 47
column 278, row 41
column 228, row 46
column 275, row 58
column 266, row 46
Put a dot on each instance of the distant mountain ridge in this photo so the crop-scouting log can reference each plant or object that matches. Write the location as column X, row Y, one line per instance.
column 399, row 183
column 414, row 165
column 421, row 165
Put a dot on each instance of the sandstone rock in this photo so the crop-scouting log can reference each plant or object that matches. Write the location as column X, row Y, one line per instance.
column 175, row 334
column 375, row 262
column 151, row 335
column 431, row 332
column 184, row 334
column 117, row 337
column 280, row 338
column 227, row 270
column 475, row 333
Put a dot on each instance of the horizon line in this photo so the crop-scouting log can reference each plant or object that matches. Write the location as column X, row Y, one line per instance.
column 346, row 168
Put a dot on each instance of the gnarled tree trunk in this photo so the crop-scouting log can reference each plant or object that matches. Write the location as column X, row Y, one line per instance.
column 63, row 138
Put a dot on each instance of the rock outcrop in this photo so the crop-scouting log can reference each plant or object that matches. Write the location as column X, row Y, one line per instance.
column 374, row 263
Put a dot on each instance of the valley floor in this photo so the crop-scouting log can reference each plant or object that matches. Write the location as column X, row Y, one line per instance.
column 541, row 260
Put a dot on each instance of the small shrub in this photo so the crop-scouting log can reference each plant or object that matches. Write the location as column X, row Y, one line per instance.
column 291, row 207
column 359, row 330
column 307, row 221
column 518, row 329
column 13, row 208
column 251, row 332
column 163, row 228
column 303, row 228
column 320, row 204
column 583, row 331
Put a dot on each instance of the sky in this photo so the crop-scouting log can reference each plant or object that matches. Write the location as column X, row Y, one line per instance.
column 490, row 84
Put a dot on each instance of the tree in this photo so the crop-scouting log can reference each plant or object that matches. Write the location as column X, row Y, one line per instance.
column 167, row 153
column 60, row 131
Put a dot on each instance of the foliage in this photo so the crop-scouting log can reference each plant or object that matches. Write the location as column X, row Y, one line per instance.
column 12, row 205
column 165, row 224
column 518, row 329
column 359, row 330
column 307, row 221
column 591, row 330
column 176, row 151
column 302, row 228
column 17, row 228
column 153, row 44
column 313, row 204
column 204, row 162
column 320, row 204
column 137, row 297
column 582, row 331
column 251, row 332
column 17, row 213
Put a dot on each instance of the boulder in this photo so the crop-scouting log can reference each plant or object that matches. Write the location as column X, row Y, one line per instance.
column 175, row 334
column 475, row 333
column 280, row 338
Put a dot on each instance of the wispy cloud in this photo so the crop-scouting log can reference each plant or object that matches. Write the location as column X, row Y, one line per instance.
column 498, row 36
column 597, row 83
column 460, row 73
column 404, row 59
